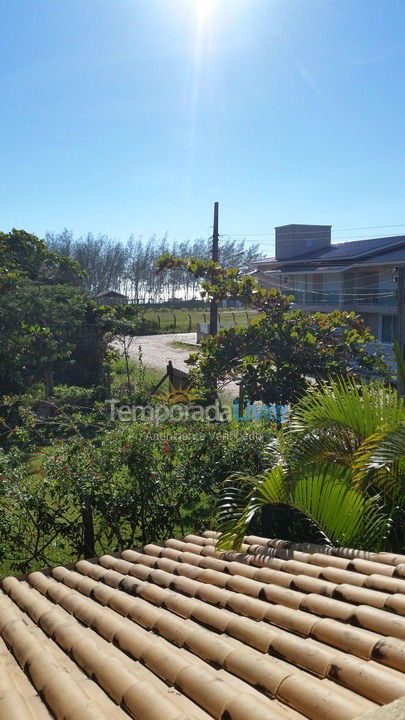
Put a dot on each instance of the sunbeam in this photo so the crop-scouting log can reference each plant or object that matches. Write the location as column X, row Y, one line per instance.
column 204, row 10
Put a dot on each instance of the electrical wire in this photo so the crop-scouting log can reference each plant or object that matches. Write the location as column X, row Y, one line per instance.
column 321, row 232
column 354, row 293
column 276, row 281
column 277, row 274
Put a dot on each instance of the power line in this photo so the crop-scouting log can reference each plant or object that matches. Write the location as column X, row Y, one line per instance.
column 277, row 273
column 317, row 232
column 276, row 282
column 337, row 241
column 355, row 292
column 331, row 291
column 346, row 238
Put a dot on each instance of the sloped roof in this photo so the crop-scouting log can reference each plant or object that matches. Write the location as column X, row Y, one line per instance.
column 182, row 632
column 348, row 250
column 114, row 293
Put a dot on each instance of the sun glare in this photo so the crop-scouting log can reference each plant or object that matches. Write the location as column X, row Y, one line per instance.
column 204, row 9
column 202, row 29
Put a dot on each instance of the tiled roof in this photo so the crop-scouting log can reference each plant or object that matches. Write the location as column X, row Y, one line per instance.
column 348, row 250
column 183, row 632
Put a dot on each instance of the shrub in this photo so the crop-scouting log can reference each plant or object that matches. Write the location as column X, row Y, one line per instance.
column 122, row 488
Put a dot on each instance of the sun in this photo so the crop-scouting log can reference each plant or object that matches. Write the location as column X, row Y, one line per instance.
column 204, row 9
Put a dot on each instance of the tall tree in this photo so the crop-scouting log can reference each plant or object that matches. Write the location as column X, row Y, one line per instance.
column 129, row 266
column 48, row 322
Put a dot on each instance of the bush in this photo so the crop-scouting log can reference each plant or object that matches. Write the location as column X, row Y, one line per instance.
column 123, row 488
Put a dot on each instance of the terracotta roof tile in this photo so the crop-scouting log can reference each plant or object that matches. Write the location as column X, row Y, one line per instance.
column 276, row 632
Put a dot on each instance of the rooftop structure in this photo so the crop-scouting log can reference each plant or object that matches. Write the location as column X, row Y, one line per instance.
column 183, row 632
column 110, row 297
column 352, row 276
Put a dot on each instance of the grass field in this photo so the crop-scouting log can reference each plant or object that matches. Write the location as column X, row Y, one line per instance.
column 178, row 320
column 142, row 377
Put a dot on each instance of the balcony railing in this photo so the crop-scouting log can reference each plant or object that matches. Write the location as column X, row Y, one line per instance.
column 371, row 297
column 345, row 299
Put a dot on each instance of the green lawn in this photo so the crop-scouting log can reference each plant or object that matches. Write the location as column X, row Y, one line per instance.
column 185, row 320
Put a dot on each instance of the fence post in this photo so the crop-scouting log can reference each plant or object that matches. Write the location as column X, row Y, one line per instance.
column 174, row 319
column 241, row 400
column 189, row 322
column 170, row 373
column 158, row 319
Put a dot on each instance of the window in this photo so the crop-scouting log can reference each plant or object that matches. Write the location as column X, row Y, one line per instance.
column 389, row 328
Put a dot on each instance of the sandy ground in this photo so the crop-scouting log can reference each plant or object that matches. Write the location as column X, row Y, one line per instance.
column 157, row 350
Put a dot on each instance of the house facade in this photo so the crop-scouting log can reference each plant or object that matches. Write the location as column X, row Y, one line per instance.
column 354, row 276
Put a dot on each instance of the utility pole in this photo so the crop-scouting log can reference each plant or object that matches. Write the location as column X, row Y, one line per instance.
column 400, row 279
column 215, row 258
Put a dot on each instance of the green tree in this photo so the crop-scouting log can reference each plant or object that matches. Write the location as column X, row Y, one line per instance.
column 44, row 321
column 29, row 256
column 50, row 330
column 283, row 347
column 40, row 306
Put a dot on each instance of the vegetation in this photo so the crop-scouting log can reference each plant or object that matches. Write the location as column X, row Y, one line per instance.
column 283, row 350
column 129, row 267
column 75, row 481
column 50, row 330
column 124, row 487
column 339, row 462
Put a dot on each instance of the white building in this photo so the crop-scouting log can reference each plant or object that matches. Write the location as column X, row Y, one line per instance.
column 357, row 275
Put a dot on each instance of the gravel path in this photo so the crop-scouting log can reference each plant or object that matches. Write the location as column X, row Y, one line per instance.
column 157, row 350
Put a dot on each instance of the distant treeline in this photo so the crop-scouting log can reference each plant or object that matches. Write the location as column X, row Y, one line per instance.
column 128, row 267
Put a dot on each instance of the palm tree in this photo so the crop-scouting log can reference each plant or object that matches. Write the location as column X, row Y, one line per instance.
column 323, row 495
column 354, row 425
column 340, row 462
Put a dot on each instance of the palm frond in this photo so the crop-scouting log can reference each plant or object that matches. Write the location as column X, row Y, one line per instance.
column 344, row 514
column 236, row 509
column 381, row 460
column 329, row 445
column 344, row 403
column 400, row 363
column 323, row 494
column 278, row 451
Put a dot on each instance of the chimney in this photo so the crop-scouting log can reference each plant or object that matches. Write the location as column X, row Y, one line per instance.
column 293, row 240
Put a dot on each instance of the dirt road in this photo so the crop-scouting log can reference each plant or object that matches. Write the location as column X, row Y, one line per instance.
column 157, row 350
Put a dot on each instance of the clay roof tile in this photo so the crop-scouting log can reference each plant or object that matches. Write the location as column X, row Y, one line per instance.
column 279, row 631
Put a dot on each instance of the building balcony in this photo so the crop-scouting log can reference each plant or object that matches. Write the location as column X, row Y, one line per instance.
column 371, row 297
column 344, row 299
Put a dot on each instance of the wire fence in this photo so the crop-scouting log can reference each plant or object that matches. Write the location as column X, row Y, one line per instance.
column 183, row 321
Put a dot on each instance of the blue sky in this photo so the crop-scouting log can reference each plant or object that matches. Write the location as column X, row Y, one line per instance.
column 134, row 116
